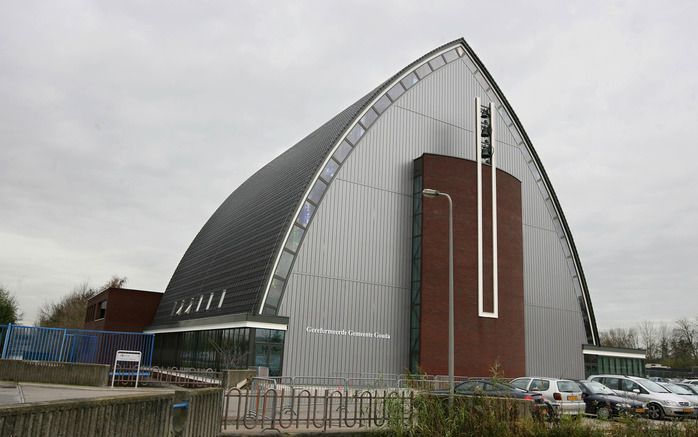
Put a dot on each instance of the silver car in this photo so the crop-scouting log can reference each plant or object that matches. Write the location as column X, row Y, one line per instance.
column 563, row 395
column 660, row 401
column 684, row 392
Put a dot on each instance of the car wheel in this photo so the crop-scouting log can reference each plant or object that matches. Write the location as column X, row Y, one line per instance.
column 603, row 413
column 655, row 412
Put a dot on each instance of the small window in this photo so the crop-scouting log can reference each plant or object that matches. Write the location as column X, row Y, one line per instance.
column 294, row 239
column 210, row 299
column 395, row 92
column 306, row 214
column 612, row 383
column 174, row 308
column 451, row 55
column 568, row 387
column 539, row 385
column 382, row 104
column 355, row 134
column 521, row 383
column 423, row 71
column 342, row 152
column 284, row 264
column 317, row 191
column 180, row 309
column 460, row 51
column 191, row 303
column 329, row 171
column 368, row 118
column 409, row 80
column 275, row 289
column 198, row 305
column 102, row 312
column 220, row 302
column 437, row 63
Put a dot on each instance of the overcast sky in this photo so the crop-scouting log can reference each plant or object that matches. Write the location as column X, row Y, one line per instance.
column 123, row 125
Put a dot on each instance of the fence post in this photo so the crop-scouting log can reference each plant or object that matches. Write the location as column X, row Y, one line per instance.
column 152, row 350
column 60, row 355
column 8, row 333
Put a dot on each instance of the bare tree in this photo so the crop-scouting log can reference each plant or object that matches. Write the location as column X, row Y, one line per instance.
column 231, row 355
column 686, row 332
column 649, row 338
column 620, row 337
column 69, row 311
column 664, row 345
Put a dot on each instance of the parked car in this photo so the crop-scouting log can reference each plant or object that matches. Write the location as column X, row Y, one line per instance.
column 690, row 381
column 499, row 389
column 658, row 379
column 691, row 387
column 603, row 402
column 685, row 393
column 660, row 401
column 564, row 395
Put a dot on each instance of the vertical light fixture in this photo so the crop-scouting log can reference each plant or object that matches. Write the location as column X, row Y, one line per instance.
column 428, row 192
column 484, row 149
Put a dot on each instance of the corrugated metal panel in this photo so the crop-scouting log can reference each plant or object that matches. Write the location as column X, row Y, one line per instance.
column 344, row 305
column 557, row 351
column 358, row 246
column 360, row 233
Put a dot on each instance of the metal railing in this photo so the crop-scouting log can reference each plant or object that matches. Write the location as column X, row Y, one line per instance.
column 180, row 377
column 282, row 409
column 72, row 345
column 370, row 382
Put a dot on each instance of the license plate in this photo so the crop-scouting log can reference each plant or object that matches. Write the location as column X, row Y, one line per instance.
column 688, row 410
column 572, row 398
column 640, row 410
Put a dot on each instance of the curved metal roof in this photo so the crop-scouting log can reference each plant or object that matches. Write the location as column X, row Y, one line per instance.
column 239, row 246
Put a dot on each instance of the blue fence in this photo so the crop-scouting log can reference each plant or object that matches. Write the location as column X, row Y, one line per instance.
column 72, row 345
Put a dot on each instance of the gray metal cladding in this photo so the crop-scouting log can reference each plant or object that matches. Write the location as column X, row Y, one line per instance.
column 353, row 269
column 553, row 345
column 344, row 305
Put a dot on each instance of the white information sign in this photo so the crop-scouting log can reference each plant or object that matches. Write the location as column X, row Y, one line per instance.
column 127, row 357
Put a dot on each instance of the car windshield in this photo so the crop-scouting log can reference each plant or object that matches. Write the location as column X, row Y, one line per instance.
column 690, row 387
column 652, row 386
column 678, row 389
column 501, row 385
column 568, row 386
column 598, row 388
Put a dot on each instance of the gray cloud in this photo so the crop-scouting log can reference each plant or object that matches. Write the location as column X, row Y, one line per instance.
column 123, row 125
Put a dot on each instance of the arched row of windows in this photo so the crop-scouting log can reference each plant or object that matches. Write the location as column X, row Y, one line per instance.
column 346, row 145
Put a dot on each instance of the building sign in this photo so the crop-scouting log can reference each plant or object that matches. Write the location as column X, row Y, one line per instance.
column 347, row 333
column 127, row 357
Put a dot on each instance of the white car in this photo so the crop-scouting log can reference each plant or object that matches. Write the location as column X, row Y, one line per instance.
column 690, row 381
column 660, row 401
column 564, row 395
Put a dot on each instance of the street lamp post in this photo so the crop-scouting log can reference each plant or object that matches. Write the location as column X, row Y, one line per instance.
column 435, row 193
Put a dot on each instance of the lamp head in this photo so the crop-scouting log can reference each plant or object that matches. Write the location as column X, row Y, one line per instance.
column 428, row 192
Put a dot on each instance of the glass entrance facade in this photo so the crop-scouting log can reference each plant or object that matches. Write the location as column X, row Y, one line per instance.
column 599, row 365
column 218, row 349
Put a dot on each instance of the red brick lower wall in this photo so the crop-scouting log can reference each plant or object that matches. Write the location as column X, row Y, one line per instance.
column 479, row 342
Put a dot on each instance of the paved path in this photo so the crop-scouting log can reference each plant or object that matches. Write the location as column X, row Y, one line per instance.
column 9, row 393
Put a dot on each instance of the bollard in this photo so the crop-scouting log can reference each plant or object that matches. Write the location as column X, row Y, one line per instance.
column 180, row 412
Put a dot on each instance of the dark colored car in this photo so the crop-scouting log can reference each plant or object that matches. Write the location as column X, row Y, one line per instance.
column 603, row 402
column 499, row 389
